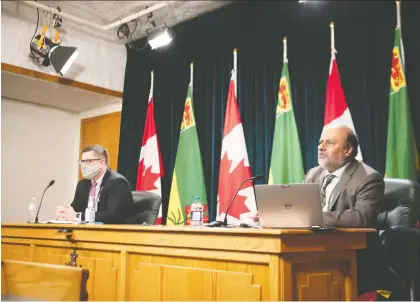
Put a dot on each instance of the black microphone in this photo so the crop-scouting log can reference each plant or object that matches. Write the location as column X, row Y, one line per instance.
column 40, row 203
column 218, row 223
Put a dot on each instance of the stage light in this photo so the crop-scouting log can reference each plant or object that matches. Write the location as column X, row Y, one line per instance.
column 159, row 37
column 49, row 52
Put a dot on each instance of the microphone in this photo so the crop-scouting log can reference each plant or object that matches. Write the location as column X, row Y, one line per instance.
column 218, row 223
column 40, row 203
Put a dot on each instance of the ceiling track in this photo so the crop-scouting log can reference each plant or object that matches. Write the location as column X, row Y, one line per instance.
column 129, row 18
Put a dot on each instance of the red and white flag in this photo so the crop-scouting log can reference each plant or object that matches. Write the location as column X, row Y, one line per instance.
column 234, row 166
column 150, row 168
column 336, row 110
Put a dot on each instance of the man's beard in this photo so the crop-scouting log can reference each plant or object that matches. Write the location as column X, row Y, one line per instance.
column 333, row 165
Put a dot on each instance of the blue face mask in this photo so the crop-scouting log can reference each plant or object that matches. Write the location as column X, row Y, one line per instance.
column 90, row 171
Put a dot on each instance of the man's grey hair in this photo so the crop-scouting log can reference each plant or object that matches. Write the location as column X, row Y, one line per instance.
column 352, row 139
column 99, row 151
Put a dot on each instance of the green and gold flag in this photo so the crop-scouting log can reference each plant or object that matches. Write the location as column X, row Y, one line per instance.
column 286, row 158
column 401, row 152
column 188, row 176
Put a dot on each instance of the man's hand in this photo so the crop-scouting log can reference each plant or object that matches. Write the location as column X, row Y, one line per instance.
column 65, row 212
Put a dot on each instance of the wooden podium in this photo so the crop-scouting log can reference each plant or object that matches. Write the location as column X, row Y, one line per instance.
column 130, row 262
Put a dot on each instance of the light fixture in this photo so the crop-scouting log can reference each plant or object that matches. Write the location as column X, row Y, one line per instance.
column 51, row 52
column 159, row 36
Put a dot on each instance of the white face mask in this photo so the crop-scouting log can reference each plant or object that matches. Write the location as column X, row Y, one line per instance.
column 90, row 171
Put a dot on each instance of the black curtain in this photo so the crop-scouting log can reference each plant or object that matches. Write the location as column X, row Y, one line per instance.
column 364, row 34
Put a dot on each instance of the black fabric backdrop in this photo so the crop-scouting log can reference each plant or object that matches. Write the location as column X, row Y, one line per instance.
column 364, row 34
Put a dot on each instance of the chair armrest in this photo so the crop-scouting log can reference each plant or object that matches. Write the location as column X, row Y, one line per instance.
column 404, row 230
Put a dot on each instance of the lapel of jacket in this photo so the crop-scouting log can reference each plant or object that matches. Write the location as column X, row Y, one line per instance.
column 320, row 179
column 100, row 194
column 344, row 179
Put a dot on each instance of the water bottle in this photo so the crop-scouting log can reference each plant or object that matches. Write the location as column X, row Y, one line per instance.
column 90, row 212
column 196, row 212
column 32, row 209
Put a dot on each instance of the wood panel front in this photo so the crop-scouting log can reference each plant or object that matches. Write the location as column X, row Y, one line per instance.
column 203, row 279
column 103, row 268
column 185, row 263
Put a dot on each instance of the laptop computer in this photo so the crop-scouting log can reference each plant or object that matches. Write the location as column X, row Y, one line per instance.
column 289, row 206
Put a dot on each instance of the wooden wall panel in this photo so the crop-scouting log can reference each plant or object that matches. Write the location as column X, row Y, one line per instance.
column 102, row 130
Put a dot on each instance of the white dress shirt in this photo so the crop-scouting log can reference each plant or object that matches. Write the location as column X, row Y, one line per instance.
column 97, row 190
column 331, row 186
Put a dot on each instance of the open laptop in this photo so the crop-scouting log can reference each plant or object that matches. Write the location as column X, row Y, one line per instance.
column 289, row 206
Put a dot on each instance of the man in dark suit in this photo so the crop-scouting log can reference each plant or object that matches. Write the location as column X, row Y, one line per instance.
column 351, row 191
column 104, row 190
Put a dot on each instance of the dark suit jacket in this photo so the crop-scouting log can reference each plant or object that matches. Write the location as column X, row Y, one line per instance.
column 115, row 198
column 356, row 198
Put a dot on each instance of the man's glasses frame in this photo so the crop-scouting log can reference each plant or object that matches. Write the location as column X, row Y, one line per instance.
column 88, row 161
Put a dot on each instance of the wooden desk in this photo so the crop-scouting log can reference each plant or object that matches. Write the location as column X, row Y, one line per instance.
column 128, row 262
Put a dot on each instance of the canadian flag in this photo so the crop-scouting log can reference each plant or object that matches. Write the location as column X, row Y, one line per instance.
column 150, row 168
column 234, row 165
column 336, row 110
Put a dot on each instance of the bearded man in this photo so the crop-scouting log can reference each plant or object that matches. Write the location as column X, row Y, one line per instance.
column 351, row 191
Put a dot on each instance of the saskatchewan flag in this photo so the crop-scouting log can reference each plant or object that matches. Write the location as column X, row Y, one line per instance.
column 188, row 177
column 286, row 158
column 401, row 152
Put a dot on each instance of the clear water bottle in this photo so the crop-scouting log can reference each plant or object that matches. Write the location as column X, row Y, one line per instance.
column 196, row 212
column 32, row 209
column 90, row 212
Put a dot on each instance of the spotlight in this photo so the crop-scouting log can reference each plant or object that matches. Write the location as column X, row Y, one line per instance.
column 158, row 37
column 51, row 52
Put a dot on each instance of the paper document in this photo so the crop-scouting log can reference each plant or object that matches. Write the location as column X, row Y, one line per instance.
column 60, row 221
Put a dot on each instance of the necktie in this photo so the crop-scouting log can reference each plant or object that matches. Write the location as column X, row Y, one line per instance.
column 327, row 181
column 92, row 194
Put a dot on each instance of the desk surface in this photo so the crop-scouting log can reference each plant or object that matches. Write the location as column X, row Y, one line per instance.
column 186, row 229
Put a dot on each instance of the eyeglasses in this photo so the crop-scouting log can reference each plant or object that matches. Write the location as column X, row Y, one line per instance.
column 88, row 161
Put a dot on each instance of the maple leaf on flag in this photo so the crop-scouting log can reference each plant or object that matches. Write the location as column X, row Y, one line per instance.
column 146, row 177
column 229, row 183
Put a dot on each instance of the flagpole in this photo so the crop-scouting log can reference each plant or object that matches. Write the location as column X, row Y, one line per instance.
column 398, row 3
column 151, row 82
column 285, row 50
column 235, row 68
column 191, row 75
column 332, row 38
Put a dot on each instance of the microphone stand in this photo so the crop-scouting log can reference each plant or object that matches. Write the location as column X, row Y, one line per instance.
column 42, row 198
column 223, row 223
column 231, row 202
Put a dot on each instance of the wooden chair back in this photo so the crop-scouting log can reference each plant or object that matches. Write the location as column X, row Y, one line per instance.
column 39, row 281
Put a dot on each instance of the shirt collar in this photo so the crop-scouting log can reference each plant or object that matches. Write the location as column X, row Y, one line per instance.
column 337, row 173
column 99, row 180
